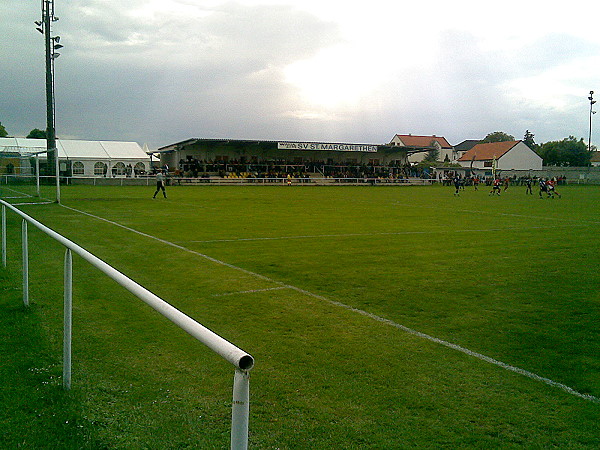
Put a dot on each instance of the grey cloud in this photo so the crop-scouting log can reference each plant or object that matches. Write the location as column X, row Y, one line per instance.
column 232, row 33
column 217, row 76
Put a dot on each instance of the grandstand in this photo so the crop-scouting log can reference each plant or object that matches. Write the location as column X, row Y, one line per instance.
column 227, row 158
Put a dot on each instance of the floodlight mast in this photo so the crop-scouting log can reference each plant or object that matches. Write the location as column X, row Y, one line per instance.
column 51, row 43
column 592, row 112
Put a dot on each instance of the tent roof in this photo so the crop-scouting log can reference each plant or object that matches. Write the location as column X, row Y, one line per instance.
column 22, row 145
column 76, row 149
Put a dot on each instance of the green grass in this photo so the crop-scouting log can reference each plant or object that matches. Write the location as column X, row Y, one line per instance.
column 514, row 278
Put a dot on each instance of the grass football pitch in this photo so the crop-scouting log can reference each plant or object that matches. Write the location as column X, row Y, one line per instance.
column 378, row 317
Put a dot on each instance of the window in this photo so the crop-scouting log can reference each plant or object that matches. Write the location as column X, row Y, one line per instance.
column 140, row 168
column 100, row 169
column 487, row 164
column 78, row 168
column 119, row 169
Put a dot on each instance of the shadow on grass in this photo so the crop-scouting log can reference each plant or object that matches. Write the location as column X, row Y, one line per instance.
column 35, row 410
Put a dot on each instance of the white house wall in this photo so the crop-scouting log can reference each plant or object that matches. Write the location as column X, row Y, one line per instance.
column 520, row 157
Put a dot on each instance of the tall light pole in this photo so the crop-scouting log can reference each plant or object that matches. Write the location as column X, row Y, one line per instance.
column 52, row 44
column 592, row 112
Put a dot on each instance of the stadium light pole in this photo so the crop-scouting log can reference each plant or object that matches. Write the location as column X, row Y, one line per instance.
column 592, row 112
column 52, row 44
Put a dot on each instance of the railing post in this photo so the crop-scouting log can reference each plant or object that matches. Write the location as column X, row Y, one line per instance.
column 68, row 320
column 25, row 248
column 37, row 174
column 3, row 236
column 240, row 410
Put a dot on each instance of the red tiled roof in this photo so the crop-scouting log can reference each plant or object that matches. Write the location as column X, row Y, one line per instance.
column 422, row 141
column 595, row 157
column 488, row 151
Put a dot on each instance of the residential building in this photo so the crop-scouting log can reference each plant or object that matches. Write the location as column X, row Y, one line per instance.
column 425, row 144
column 509, row 155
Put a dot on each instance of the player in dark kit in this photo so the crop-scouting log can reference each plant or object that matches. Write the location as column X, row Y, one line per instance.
column 457, row 184
column 160, row 184
column 528, row 183
column 543, row 187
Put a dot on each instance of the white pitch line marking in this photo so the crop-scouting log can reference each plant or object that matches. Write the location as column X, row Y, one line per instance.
column 523, row 216
column 456, row 347
column 390, row 233
column 252, row 291
column 32, row 203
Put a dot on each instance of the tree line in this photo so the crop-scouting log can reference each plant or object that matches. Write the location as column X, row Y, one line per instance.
column 36, row 133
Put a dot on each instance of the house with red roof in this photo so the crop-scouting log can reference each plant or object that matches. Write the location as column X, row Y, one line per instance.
column 420, row 145
column 509, row 155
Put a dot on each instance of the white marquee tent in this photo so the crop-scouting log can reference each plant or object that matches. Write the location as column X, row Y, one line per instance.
column 85, row 158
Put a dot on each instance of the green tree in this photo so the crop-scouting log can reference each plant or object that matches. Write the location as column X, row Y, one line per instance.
column 497, row 136
column 568, row 152
column 37, row 134
column 528, row 140
column 432, row 155
column 3, row 132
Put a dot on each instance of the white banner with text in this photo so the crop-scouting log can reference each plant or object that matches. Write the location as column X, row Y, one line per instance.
column 323, row 146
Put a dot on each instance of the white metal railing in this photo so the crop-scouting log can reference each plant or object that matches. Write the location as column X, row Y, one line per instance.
column 241, row 360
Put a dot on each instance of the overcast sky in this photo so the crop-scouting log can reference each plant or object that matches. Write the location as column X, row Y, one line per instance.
column 162, row 71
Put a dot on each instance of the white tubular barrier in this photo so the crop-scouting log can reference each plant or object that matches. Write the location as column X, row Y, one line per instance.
column 25, row 250
column 242, row 361
column 68, row 319
column 226, row 349
column 240, row 410
column 3, row 236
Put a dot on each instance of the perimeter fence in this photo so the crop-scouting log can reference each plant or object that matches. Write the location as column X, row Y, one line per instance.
column 228, row 181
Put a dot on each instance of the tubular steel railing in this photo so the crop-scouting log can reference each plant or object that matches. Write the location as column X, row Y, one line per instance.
column 241, row 360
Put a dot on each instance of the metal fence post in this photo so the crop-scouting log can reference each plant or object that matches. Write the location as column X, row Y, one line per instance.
column 240, row 410
column 37, row 174
column 25, row 263
column 3, row 236
column 68, row 320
